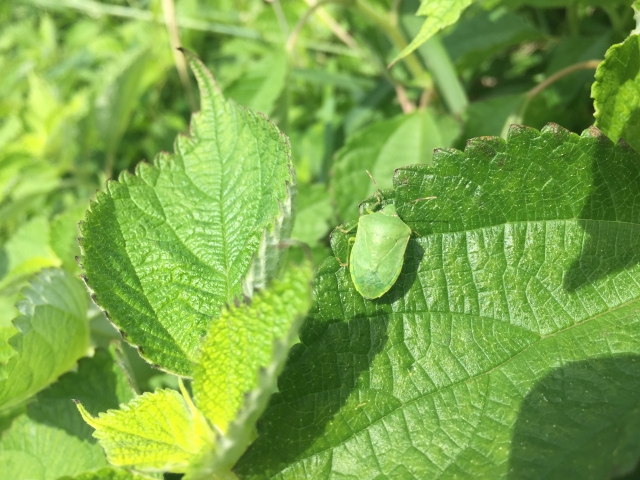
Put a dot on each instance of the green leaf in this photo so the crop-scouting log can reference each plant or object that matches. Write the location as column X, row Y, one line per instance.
column 25, row 253
column 51, row 439
column 261, row 84
column 242, row 356
column 122, row 85
column 160, row 431
column 478, row 38
column 508, row 348
column 616, row 92
column 440, row 14
column 64, row 237
column 52, row 335
column 380, row 149
column 314, row 214
column 165, row 248
column 107, row 474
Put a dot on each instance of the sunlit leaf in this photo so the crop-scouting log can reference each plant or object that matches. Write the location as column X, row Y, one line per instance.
column 165, row 248
column 508, row 348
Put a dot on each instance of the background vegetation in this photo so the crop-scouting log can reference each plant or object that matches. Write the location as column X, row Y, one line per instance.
column 89, row 89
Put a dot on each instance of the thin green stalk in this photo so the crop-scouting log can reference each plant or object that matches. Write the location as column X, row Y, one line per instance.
column 444, row 74
column 395, row 35
column 282, row 20
column 573, row 19
column 616, row 20
column 96, row 9
column 169, row 11
column 295, row 33
column 517, row 117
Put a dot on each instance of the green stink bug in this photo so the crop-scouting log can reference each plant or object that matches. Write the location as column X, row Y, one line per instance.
column 377, row 255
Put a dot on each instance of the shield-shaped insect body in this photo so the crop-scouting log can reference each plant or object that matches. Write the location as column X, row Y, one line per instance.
column 377, row 255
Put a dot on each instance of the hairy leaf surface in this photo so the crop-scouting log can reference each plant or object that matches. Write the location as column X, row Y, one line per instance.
column 159, row 431
column 509, row 347
column 52, row 335
column 236, row 373
column 241, row 359
column 165, row 248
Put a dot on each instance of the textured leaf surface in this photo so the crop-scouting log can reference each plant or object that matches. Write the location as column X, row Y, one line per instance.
column 381, row 148
column 242, row 357
column 52, row 335
column 108, row 474
column 51, row 439
column 508, row 348
column 616, row 92
column 165, row 248
column 440, row 14
column 158, row 431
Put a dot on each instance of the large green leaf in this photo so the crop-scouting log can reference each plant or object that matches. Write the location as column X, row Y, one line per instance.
column 235, row 375
column 51, row 439
column 53, row 334
column 616, row 92
column 380, row 149
column 440, row 14
column 165, row 248
column 509, row 347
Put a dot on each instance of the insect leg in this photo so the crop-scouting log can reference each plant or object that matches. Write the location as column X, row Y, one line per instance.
column 350, row 243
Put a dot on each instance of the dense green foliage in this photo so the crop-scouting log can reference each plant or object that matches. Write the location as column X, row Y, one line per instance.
column 507, row 347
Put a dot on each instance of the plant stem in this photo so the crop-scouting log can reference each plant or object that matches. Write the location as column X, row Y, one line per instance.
column 444, row 74
column 335, row 27
column 282, row 20
column 96, row 9
column 393, row 32
column 531, row 94
column 169, row 11
column 587, row 65
column 573, row 20
column 295, row 33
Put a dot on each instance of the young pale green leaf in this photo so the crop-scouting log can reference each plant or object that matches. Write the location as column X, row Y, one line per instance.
column 52, row 335
column 165, row 248
column 440, row 14
column 509, row 347
column 616, row 92
column 241, row 359
column 51, row 439
column 25, row 253
column 160, row 431
column 380, row 149
column 108, row 473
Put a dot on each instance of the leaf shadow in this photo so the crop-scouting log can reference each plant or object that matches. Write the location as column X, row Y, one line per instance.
column 326, row 380
column 609, row 217
column 94, row 385
column 580, row 421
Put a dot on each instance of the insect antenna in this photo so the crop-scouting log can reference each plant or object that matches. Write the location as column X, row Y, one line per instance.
column 379, row 192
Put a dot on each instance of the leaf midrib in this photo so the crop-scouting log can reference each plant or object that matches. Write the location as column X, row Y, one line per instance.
column 454, row 384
